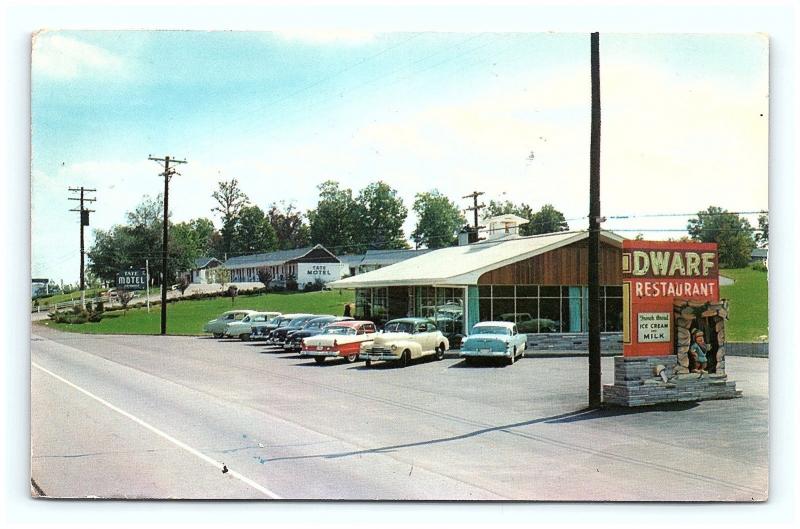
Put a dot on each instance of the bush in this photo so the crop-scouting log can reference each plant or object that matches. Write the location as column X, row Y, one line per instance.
column 291, row 284
column 759, row 266
column 316, row 286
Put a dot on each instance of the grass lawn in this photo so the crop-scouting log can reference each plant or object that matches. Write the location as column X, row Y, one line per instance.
column 748, row 304
column 187, row 317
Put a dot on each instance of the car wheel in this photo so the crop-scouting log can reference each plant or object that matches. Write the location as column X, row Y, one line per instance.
column 404, row 359
column 245, row 337
column 217, row 335
column 368, row 362
column 440, row 351
column 319, row 359
column 351, row 358
column 513, row 357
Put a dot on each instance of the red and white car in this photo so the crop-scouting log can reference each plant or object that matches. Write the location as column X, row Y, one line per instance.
column 340, row 339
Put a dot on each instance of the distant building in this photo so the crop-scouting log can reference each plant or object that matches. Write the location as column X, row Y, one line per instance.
column 201, row 265
column 306, row 265
column 39, row 287
column 759, row 255
column 375, row 259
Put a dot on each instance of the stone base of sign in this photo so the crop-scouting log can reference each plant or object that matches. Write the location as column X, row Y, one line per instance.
column 637, row 382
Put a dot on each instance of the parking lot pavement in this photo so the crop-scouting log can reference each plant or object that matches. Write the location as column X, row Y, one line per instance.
column 434, row 430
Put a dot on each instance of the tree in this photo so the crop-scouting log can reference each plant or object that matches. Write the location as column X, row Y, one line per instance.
column 219, row 274
column 183, row 284
column 289, row 227
column 253, row 232
column 264, row 276
column 124, row 297
column 334, row 223
column 438, row 220
column 762, row 236
column 230, row 199
column 732, row 233
column 546, row 220
column 381, row 215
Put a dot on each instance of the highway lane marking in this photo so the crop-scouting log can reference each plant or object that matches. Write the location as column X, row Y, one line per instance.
column 180, row 444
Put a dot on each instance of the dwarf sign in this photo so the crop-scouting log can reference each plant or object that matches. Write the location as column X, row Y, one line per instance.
column 654, row 274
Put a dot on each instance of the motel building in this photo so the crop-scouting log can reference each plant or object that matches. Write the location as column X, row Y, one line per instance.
column 306, row 265
column 538, row 281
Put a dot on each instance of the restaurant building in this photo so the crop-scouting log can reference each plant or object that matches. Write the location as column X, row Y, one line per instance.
column 538, row 281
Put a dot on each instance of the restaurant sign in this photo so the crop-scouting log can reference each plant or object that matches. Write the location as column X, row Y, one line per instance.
column 654, row 274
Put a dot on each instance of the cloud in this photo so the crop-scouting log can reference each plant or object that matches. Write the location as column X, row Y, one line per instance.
column 61, row 57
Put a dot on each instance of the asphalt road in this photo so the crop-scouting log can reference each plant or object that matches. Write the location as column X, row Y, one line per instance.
column 157, row 417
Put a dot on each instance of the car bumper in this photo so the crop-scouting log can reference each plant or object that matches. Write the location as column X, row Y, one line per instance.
column 484, row 353
column 380, row 356
column 320, row 354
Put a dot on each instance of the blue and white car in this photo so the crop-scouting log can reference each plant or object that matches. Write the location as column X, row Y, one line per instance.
column 494, row 339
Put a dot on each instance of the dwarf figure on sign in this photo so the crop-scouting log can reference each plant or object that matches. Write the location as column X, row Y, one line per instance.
column 698, row 351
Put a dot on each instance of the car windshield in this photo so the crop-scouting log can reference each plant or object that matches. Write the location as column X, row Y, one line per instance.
column 339, row 330
column 284, row 323
column 315, row 324
column 246, row 319
column 399, row 326
column 298, row 322
column 490, row 330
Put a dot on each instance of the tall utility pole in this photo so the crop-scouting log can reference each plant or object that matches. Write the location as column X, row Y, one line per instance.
column 595, row 390
column 167, row 174
column 474, row 208
column 84, row 221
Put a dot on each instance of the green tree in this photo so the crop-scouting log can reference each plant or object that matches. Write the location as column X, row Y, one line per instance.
column 334, row 222
column 290, row 229
column 230, row 201
column 381, row 215
column 732, row 233
column 253, row 232
column 762, row 236
column 438, row 220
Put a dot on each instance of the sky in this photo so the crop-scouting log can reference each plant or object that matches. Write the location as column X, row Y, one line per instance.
column 684, row 123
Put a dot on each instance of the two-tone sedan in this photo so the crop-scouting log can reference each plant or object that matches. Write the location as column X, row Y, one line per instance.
column 218, row 325
column 494, row 339
column 294, row 339
column 278, row 335
column 343, row 339
column 244, row 328
column 406, row 339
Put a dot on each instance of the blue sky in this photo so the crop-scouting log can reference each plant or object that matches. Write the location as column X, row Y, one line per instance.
column 684, row 121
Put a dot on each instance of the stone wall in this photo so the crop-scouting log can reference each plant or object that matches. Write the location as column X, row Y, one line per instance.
column 637, row 382
column 609, row 342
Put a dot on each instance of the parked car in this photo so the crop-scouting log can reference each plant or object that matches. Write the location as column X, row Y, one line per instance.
column 343, row 339
column 217, row 326
column 261, row 330
column 314, row 326
column 243, row 329
column 528, row 323
column 494, row 339
column 278, row 335
column 406, row 339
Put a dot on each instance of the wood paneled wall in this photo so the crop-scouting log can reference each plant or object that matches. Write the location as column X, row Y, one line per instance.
column 563, row 266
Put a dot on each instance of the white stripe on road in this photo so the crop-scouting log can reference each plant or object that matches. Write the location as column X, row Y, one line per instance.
column 166, row 436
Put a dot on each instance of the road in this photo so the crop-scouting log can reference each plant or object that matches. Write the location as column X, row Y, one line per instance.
column 158, row 417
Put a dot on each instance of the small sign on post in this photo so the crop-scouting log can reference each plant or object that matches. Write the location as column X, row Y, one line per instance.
column 132, row 279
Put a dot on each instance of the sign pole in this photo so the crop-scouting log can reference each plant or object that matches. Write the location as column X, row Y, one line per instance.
column 147, row 279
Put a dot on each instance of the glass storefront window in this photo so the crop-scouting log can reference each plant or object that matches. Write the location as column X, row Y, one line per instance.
column 527, row 291
column 550, row 292
column 502, row 291
column 527, row 315
column 549, row 315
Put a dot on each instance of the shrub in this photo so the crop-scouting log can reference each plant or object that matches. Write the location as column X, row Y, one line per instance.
column 759, row 266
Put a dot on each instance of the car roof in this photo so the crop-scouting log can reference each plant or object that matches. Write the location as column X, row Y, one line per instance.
column 238, row 311
column 293, row 316
column 349, row 323
column 410, row 320
column 494, row 324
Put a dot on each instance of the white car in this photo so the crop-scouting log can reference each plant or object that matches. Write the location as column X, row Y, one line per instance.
column 406, row 339
column 242, row 329
column 218, row 325
column 494, row 339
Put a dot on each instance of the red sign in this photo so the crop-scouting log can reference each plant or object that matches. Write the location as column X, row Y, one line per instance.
column 654, row 273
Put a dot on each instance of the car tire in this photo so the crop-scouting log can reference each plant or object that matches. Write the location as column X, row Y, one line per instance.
column 440, row 351
column 217, row 335
column 368, row 362
column 244, row 337
column 511, row 360
column 319, row 359
column 404, row 358
column 351, row 358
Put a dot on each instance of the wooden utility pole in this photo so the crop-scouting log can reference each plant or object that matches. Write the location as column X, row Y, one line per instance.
column 595, row 389
column 84, row 221
column 475, row 206
column 167, row 174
